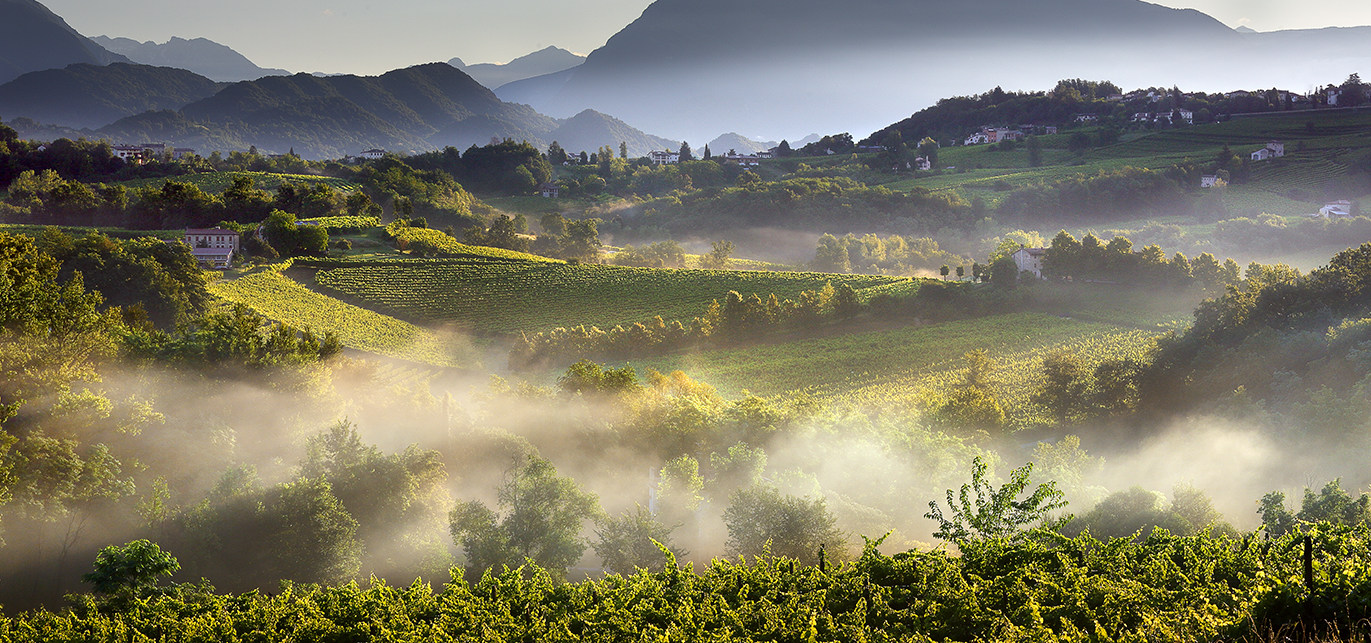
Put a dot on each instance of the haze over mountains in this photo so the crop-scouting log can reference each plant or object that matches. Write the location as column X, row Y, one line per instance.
column 545, row 61
column 204, row 57
column 775, row 67
column 32, row 38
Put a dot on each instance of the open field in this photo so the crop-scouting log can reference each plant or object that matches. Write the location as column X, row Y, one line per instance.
column 276, row 297
column 217, row 182
column 511, row 296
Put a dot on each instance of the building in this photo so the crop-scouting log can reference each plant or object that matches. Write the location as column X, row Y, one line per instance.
column 1030, row 260
column 153, row 150
column 372, row 155
column 664, row 157
column 1274, row 149
column 1087, row 118
column 923, row 164
column 182, row 152
column 1050, row 130
column 977, row 139
column 213, row 247
column 550, row 190
column 745, row 160
column 129, row 153
column 1209, row 180
column 1336, row 210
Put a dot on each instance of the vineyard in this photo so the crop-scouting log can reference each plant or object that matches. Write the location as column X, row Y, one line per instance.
column 492, row 296
column 217, row 182
column 1164, row 588
column 909, row 365
column 345, row 224
column 276, row 297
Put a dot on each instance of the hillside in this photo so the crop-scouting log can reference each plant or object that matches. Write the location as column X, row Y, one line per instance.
column 87, row 95
column 590, row 129
column 736, row 141
column 33, row 38
column 545, row 61
column 200, row 55
column 831, row 54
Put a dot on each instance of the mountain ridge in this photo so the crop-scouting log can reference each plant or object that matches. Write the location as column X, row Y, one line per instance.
column 33, row 38
column 205, row 57
column 548, row 60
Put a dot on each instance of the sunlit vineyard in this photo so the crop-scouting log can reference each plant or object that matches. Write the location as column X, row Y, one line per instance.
column 911, row 365
column 276, row 297
column 345, row 224
column 217, row 182
column 495, row 297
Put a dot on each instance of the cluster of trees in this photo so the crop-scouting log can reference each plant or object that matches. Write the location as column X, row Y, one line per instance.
column 1281, row 345
column 951, row 118
column 1106, row 195
column 1117, row 261
column 663, row 254
column 893, row 255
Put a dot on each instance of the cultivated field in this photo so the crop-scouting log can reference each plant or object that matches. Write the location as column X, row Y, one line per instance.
column 217, row 182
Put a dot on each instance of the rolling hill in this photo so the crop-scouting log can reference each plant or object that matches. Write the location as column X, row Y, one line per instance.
column 202, row 56
column 87, row 95
column 591, row 129
column 32, row 38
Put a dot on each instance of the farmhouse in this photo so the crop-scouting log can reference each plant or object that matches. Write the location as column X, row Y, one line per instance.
column 664, row 157
column 923, row 164
column 213, row 247
column 1209, row 180
column 1274, row 149
column 1336, row 210
column 1087, row 118
column 182, row 152
column 373, row 154
column 749, row 160
column 1050, row 130
column 1030, row 260
column 977, row 139
column 129, row 153
column 549, row 190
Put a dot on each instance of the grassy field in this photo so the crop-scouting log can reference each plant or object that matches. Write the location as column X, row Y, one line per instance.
column 511, row 296
column 276, row 297
column 81, row 231
column 217, row 182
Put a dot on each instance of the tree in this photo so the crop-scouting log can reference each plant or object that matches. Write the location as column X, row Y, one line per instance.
column 795, row 527
column 541, row 517
column 783, row 150
column 995, row 513
column 944, row 271
column 130, row 570
column 687, row 154
column 623, row 150
column 717, row 259
column 635, row 540
column 555, row 154
column 1062, row 392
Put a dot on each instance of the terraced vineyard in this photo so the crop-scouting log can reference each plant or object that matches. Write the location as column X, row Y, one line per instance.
column 276, row 297
column 912, row 365
column 494, row 296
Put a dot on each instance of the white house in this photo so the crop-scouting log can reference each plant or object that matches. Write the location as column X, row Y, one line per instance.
column 549, row 190
column 977, row 139
column 748, row 160
column 923, row 164
column 1336, row 210
column 129, row 153
column 1209, row 180
column 213, row 247
column 664, row 157
column 1087, row 118
column 1274, row 149
column 372, row 155
column 1030, row 260
column 1050, row 130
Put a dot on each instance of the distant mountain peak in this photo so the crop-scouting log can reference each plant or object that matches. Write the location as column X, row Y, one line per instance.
column 548, row 60
column 1245, row 29
column 33, row 38
column 200, row 55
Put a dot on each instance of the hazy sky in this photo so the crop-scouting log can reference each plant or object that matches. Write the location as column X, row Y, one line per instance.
column 373, row 36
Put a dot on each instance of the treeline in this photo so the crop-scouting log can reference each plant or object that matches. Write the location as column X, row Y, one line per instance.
column 742, row 319
column 1105, row 195
column 1117, row 261
column 951, row 119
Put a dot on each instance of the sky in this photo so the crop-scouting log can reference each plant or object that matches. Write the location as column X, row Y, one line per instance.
column 375, row 36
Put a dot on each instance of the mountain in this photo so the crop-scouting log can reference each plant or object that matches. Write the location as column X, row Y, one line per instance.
column 32, row 38
column 1333, row 53
column 777, row 66
column 590, row 129
column 546, row 61
column 740, row 143
column 205, row 57
column 535, row 91
column 86, row 95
